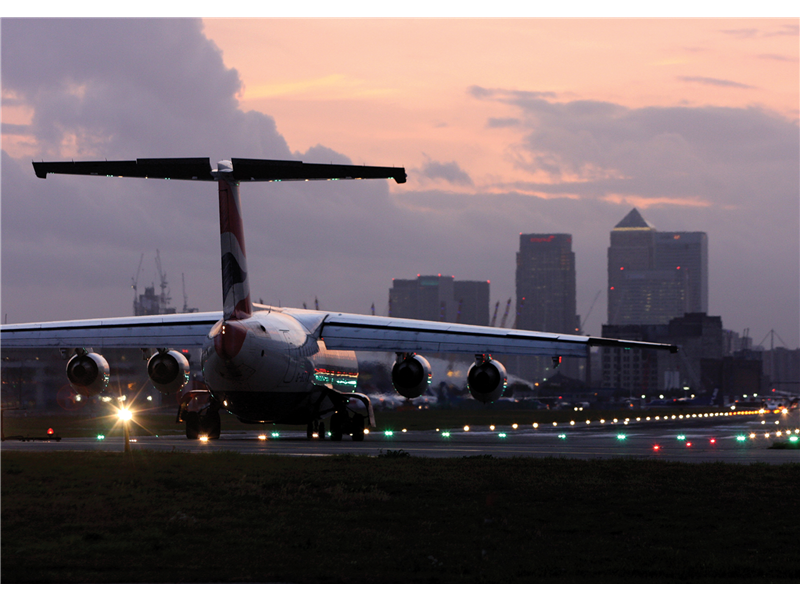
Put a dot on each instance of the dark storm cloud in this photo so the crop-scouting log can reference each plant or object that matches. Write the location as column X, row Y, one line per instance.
column 145, row 86
column 716, row 82
column 128, row 88
column 449, row 171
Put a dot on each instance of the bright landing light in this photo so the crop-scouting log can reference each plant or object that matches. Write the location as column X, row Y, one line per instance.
column 125, row 414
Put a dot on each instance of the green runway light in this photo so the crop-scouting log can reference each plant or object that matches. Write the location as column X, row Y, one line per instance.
column 562, row 436
column 622, row 436
column 794, row 438
column 275, row 434
column 446, row 434
column 681, row 437
column 741, row 438
column 389, row 433
column 100, row 436
column 502, row 435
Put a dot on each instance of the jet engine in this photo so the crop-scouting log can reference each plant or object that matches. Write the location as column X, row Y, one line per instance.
column 486, row 379
column 87, row 373
column 168, row 370
column 411, row 374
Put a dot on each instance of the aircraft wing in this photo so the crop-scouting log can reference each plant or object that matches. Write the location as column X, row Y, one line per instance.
column 386, row 334
column 156, row 331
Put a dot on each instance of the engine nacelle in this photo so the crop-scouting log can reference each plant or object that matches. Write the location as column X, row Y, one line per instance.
column 168, row 371
column 88, row 373
column 411, row 375
column 487, row 380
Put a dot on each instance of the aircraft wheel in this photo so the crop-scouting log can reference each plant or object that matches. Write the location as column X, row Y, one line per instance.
column 321, row 430
column 212, row 425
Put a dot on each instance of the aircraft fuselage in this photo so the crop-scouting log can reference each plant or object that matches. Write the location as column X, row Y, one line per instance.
column 271, row 368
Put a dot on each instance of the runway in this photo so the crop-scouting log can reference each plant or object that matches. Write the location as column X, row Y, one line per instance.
column 734, row 440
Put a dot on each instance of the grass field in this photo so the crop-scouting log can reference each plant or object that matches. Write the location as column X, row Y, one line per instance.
column 225, row 517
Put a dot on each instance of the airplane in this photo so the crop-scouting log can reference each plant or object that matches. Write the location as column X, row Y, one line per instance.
column 267, row 364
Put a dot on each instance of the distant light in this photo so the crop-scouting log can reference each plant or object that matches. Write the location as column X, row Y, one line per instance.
column 572, row 422
column 491, row 427
column 125, row 414
column 536, row 426
column 514, row 426
column 405, row 430
column 262, row 437
column 555, row 424
column 466, row 427
column 366, row 431
column 203, row 438
column 149, row 398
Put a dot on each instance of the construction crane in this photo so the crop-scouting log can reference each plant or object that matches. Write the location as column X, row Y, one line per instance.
column 494, row 316
column 589, row 312
column 505, row 314
column 135, row 286
column 165, row 298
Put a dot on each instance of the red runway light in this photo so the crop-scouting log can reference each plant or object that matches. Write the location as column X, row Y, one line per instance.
column 50, row 431
column 713, row 441
column 688, row 444
column 656, row 447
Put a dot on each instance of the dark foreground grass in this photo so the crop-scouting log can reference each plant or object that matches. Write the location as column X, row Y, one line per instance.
column 226, row 517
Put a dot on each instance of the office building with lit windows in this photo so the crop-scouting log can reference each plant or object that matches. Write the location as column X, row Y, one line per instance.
column 546, row 283
column 655, row 276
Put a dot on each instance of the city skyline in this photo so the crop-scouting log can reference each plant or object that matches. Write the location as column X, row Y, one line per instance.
column 503, row 126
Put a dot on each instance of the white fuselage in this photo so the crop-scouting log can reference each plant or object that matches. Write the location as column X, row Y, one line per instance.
column 271, row 367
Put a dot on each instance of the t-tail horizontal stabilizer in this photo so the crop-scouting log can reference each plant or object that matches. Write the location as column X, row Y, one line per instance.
column 199, row 169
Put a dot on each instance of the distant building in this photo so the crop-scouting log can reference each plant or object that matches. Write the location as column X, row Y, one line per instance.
column 654, row 276
column 472, row 302
column 440, row 298
column 546, row 283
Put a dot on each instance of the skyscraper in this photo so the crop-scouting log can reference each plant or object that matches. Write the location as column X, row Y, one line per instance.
column 654, row 276
column 546, row 283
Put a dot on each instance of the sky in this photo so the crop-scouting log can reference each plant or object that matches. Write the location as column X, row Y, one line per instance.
column 504, row 126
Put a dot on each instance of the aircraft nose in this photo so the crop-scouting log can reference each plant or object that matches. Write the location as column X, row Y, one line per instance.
column 229, row 339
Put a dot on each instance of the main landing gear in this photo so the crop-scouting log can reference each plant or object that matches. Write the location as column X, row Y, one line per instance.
column 344, row 420
column 200, row 412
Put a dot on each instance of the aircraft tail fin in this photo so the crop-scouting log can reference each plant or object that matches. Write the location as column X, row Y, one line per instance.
column 236, row 302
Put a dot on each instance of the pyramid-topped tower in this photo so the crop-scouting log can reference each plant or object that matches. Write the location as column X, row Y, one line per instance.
column 655, row 276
